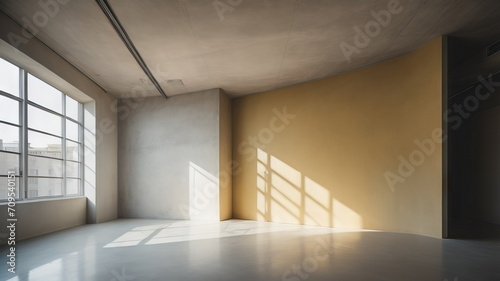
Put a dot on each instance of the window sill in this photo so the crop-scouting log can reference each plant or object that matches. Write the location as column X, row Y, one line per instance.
column 27, row 201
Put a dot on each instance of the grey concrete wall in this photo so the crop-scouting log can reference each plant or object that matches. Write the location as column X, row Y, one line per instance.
column 41, row 217
column 169, row 157
column 106, row 159
column 40, row 60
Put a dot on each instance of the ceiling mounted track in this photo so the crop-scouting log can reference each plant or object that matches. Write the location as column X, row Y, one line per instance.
column 493, row 49
column 126, row 39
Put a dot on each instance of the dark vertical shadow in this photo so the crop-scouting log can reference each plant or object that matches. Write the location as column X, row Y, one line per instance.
column 473, row 152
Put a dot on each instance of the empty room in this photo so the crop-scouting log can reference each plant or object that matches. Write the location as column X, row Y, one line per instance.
column 249, row 140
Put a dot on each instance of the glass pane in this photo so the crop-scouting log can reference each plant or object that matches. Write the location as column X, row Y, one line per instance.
column 72, row 186
column 9, row 138
column 9, row 78
column 9, row 162
column 72, row 151
column 8, row 185
column 72, row 108
column 9, row 110
column 45, row 167
column 71, row 130
column 44, row 145
column 72, row 169
column 44, row 121
column 38, row 187
column 43, row 94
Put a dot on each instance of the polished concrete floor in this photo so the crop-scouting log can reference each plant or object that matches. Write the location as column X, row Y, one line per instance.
column 133, row 249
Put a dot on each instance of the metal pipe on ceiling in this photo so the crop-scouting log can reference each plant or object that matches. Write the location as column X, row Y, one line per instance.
column 113, row 19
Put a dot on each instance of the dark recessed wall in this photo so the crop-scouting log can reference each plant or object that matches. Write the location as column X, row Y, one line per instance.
column 474, row 133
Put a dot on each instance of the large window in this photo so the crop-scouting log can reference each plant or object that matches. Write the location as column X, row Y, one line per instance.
column 41, row 132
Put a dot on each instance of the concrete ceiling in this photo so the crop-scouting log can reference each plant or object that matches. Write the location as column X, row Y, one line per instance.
column 243, row 46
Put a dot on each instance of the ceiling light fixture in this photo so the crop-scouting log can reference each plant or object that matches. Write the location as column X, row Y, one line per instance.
column 126, row 39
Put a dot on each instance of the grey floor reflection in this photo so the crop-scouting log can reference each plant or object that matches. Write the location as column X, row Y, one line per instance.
column 136, row 249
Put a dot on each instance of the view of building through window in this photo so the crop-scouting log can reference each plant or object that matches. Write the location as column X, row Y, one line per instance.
column 40, row 136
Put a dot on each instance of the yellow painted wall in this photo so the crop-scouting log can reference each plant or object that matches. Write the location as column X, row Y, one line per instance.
column 318, row 153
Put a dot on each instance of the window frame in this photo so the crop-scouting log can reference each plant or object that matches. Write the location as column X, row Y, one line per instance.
column 22, row 175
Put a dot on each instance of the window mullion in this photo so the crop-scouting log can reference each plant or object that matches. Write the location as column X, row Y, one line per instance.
column 63, row 148
column 81, row 154
column 23, row 189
